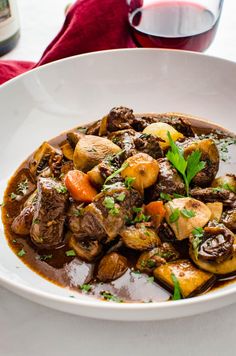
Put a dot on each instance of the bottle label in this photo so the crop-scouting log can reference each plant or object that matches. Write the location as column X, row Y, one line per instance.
column 5, row 11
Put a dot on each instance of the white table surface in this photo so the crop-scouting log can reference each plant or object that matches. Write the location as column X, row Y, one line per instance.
column 28, row 329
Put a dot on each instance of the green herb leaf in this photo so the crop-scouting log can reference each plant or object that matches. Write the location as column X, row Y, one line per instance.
column 175, row 156
column 141, row 218
column 82, row 129
column 86, row 287
column 188, row 213
column 229, row 187
column 36, row 221
column 197, row 233
column 129, row 181
column 187, row 168
column 177, row 196
column 109, row 202
column 165, row 196
column 70, row 253
column 174, row 215
column 137, row 210
column 118, row 171
column 109, row 296
column 23, row 187
column 194, row 165
column 61, row 189
column 21, row 253
column 177, row 292
column 45, row 257
column 150, row 279
column 13, row 196
column 121, row 197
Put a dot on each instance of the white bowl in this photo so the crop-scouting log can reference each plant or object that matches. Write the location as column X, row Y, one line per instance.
column 40, row 104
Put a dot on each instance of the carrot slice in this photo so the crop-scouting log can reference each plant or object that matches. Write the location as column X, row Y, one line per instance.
column 79, row 186
column 156, row 210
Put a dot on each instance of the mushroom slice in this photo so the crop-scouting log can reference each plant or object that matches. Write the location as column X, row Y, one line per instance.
column 140, row 238
column 87, row 249
column 91, row 150
column 184, row 214
column 111, row 267
column 215, row 251
column 45, row 158
column 229, row 219
column 149, row 260
column 192, row 281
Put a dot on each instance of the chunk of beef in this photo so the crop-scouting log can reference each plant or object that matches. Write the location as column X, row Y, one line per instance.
column 180, row 123
column 148, row 144
column 168, row 181
column 229, row 219
column 119, row 118
column 209, row 154
column 74, row 218
column 109, row 212
column 209, row 195
column 133, row 142
column 22, row 223
column 49, row 216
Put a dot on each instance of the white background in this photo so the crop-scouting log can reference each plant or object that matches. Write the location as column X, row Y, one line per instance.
column 27, row 329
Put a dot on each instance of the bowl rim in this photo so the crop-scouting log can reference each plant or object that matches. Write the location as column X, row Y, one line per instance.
column 93, row 302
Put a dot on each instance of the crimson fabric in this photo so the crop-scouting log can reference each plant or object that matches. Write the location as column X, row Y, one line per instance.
column 90, row 25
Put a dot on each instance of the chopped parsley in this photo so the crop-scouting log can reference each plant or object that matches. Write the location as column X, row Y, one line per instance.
column 165, row 196
column 129, row 181
column 197, row 233
column 82, row 129
column 13, row 196
column 121, row 197
column 79, row 211
column 45, row 257
column 177, row 196
column 109, row 204
column 21, row 253
column 61, row 189
column 150, row 279
column 187, row 168
column 227, row 186
column 70, row 253
column 23, row 187
column 86, row 287
column 118, row 171
column 36, row 221
column 110, row 297
column 174, row 216
column 188, row 213
column 177, row 292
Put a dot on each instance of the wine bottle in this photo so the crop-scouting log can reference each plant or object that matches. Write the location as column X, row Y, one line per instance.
column 9, row 25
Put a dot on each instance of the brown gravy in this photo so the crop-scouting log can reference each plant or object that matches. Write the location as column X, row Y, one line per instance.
column 71, row 272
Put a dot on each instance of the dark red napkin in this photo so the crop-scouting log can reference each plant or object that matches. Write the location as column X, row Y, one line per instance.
column 90, row 25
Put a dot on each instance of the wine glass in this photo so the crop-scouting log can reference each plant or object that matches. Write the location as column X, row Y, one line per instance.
column 187, row 25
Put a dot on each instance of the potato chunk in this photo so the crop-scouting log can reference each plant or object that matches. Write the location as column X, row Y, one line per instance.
column 185, row 214
column 192, row 280
column 90, row 150
column 216, row 210
column 143, row 168
column 160, row 129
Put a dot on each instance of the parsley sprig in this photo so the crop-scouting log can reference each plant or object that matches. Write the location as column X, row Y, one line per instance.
column 177, row 291
column 189, row 167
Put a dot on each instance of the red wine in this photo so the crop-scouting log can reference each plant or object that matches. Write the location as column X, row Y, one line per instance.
column 174, row 24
